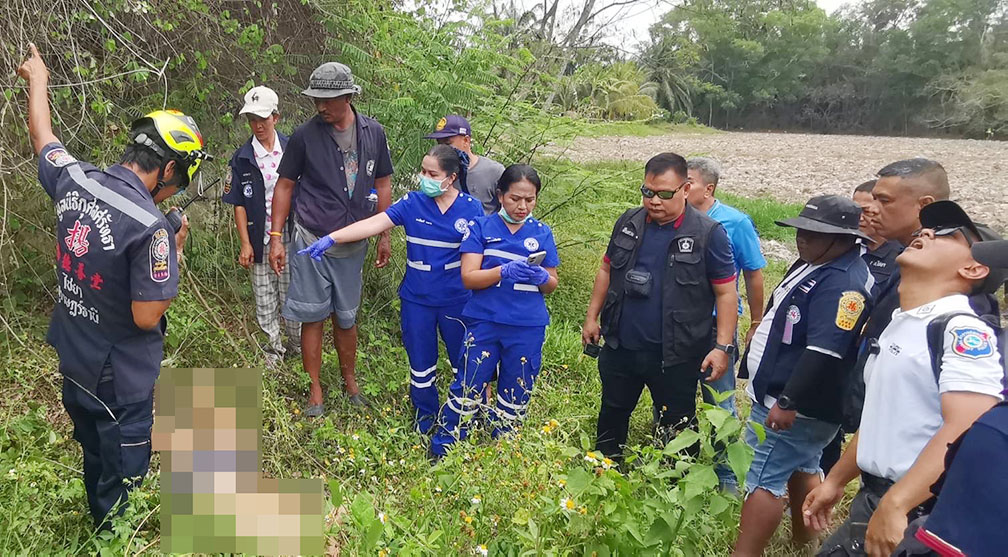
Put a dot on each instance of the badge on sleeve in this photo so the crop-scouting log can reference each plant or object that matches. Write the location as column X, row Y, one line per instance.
column 227, row 183
column 971, row 342
column 849, row 310
column 160, row 271
column 59, row 157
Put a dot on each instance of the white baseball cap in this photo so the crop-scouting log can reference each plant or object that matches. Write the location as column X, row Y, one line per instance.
column 261, row 101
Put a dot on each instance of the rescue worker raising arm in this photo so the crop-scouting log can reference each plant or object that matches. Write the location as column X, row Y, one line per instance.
column 117, row 272
column 431, row 294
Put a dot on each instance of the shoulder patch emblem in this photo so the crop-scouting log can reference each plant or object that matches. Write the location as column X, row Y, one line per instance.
column 851, row 305
column 971, row 342
column 227, row 183
column 531, row 244
column 59, row 157
column 160, row 270
column 461, row 226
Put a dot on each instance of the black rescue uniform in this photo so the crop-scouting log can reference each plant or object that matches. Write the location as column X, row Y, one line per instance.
column 658, row 318
column 113, row 247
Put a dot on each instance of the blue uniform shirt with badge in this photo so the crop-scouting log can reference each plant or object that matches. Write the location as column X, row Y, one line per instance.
column 433, row 238
column 508, row 302
column 823, row 312
column 113, row 247
column 245, row 188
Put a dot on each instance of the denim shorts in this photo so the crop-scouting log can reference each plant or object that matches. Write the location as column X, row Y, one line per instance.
column 785, row 452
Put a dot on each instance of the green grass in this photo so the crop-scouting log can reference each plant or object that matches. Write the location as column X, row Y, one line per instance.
column 371, row 460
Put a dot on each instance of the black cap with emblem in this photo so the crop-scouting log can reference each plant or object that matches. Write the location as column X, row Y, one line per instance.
column 828, row 214
column 990, row 250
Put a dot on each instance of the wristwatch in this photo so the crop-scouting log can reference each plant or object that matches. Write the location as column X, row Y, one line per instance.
column 784, row 402
column 726, row 348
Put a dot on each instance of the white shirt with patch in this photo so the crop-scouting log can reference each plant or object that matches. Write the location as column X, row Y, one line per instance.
column 759, row 340
column 902, row 406
column 268, row 163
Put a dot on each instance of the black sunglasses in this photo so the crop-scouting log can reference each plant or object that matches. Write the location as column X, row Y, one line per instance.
column 949, row 231
column 666, row 195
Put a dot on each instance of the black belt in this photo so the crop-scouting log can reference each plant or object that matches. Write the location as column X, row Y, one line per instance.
column 875, row 484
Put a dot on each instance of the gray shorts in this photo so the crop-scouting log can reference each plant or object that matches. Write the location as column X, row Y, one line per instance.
column 320, row 288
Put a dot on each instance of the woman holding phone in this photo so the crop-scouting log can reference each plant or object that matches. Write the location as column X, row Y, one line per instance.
column 509, row 261
column 431, row 293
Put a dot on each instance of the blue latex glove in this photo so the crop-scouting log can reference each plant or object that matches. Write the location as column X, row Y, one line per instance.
column 320, row 246
column 539, row 276
column 517, row 271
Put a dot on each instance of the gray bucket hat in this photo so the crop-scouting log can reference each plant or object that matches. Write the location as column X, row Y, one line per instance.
column 330, row 80
column 828, row 214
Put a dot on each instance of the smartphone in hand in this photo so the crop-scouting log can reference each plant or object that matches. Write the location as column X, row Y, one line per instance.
column 536, row 258
column 592, row 350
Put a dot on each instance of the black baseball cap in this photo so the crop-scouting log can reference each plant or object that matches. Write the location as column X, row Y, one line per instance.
column 828, row 214
column 992, row 250
column 994, row 254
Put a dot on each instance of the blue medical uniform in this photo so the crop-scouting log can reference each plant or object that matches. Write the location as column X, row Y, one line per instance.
column 431, row 292
column 506, row 328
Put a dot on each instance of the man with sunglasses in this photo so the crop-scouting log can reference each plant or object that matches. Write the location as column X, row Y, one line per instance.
column 117, row 267
column 666, row 268
column 912, row 408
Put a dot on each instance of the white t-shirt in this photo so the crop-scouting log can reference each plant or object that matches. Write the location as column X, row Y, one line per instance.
column 759, row 340
column 902, row 406
column 268, row 162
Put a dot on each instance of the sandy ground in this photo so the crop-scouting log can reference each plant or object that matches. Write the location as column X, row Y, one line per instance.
column 794, row 167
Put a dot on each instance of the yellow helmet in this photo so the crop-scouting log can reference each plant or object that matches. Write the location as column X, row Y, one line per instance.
column 176, row 137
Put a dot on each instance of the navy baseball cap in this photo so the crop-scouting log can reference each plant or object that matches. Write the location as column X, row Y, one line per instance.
column 450, row 126
column 987, row 247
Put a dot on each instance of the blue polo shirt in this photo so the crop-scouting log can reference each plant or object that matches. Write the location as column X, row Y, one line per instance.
column 433, row 266
column 113, row 247
column 508, row 302
column 744, row 240
column 313, row 160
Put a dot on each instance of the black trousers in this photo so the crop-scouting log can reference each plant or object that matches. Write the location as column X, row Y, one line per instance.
column 624, row 374
column 116, row 440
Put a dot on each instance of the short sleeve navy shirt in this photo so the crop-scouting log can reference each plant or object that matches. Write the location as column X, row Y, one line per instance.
column 644, row 330
column 113, row 247
column 314, row 161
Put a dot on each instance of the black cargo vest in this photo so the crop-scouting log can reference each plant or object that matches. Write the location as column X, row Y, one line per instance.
column 687, row 296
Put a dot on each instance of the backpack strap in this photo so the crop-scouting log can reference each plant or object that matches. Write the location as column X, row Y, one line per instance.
column 936, row 338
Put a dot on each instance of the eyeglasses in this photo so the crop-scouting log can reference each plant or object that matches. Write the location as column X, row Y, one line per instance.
column 664, row 194
column 949, row 231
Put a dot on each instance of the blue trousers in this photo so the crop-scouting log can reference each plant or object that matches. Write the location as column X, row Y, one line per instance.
column 518, row 351
column 420, row 326
column 116, row 440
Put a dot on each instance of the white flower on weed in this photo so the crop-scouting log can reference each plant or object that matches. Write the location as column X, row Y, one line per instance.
column 437, row 489
column 476, row 500
column 381, row 517
column 591, row 457
column 355, row 437
column 12, row 474
column 607, row 463
column 567, row 504
column 481, row 550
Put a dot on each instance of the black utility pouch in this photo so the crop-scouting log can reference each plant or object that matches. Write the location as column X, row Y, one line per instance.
column 638, row 283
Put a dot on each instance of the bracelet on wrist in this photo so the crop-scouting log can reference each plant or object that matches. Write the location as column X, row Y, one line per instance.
column 276, row 233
